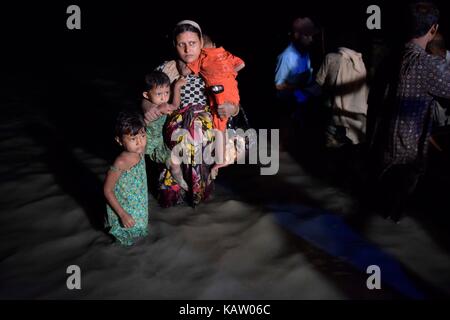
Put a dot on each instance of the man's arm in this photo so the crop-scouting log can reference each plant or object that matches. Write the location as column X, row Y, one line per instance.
column 282, row 72
column 285, row 86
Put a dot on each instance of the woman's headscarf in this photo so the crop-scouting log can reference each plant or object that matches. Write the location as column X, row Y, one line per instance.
column 191, row 23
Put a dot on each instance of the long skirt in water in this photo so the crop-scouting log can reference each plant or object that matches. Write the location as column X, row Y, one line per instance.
column 196, row 172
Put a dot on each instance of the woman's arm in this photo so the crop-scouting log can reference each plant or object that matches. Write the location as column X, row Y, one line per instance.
column 108, row 189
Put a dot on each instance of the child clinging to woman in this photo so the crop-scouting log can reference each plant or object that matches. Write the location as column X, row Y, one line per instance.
column 125, row 187
column 157, row 92
column 217, row 67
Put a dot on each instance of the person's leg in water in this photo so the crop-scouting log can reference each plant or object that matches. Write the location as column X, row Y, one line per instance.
column 220, row 128
column 399, row 183
column 174, row 166
column 224, row 158
column 235, row 146
column 177, row 173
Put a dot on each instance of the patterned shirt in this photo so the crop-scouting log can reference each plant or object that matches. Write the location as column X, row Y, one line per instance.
column 193, row 92
column 422, row 78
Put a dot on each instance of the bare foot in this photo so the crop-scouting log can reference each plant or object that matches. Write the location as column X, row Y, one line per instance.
column 215, row 170
column 177, row 174
column 213, row 174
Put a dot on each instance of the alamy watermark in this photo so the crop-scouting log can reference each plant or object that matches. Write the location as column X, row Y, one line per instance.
column 74, row 280
column 374, row 280
column 74, row 20
column 212, row 146
column 374, row 20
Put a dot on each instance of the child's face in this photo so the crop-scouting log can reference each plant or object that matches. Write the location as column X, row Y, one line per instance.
column 158, row 95
column 136, row 143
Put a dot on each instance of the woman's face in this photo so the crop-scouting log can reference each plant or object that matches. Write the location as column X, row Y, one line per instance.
column 188, row 46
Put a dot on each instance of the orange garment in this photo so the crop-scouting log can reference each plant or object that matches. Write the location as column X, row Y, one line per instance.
column 217, row 67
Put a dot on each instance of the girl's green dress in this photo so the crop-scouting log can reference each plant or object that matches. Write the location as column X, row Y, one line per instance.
column 131, row 192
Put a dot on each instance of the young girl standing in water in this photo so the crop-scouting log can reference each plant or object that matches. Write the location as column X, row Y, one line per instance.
column 125, row 185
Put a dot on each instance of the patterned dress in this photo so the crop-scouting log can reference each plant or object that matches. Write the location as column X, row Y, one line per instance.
column 422, row 78
column 131, row 192
column 193, row 113
column 156, row 148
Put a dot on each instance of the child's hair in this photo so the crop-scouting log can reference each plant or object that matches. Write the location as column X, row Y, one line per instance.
column 207, row 41
column 156, row 79
column 129, row 122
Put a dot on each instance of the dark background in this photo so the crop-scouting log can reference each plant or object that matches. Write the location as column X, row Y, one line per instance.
column 64, row 72
column 64, row 87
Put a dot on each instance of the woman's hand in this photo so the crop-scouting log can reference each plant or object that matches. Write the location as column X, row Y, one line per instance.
column 127, row 220
column 227, row 110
